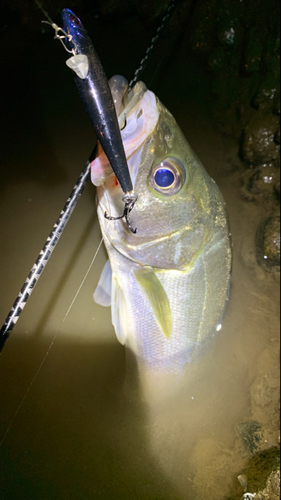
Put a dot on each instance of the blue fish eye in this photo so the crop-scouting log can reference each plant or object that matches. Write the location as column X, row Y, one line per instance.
column 168, row 176
column 164, row 177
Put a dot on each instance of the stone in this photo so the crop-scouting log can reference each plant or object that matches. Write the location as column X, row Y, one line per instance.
column 268, row 243
column 259, row 144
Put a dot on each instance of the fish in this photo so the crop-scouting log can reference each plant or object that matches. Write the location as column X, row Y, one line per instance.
column 168, row 284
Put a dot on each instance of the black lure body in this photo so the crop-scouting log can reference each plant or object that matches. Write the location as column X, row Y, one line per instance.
column 95, row 93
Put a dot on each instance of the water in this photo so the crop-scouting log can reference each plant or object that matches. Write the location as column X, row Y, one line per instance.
column 70, row 432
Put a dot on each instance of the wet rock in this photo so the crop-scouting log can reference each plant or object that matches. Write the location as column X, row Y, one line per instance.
column 250, row 433
column 266, row 98
column 259, row 144
column 268, row 243
column 229, row 30
column 227, row 35
column 272, row 489
column 259, row 468
column 261, row 183
column 263, row 178
column 242, row 58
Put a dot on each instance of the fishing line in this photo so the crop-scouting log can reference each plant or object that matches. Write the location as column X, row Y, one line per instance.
column 60, row 37
column 143, row 62
column 44, row 12
column 50, row 347
column 82, row 282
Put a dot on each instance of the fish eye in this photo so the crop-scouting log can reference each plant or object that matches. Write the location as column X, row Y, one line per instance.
column 167, row 177
column 164, row 178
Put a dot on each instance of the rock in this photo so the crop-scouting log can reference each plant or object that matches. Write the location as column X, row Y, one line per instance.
column 260, row 474
column 266, row 98
column 250, row 433
column 268, row 243
column 263, row 179
column 259, row 144
column 260, row 466
column 261, row 183
column 272, row 489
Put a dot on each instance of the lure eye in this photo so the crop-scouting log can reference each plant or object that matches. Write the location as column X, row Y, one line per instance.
column 74, row 19
column 168, row 177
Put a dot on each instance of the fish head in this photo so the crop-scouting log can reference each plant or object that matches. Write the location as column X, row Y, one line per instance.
column 178, row 203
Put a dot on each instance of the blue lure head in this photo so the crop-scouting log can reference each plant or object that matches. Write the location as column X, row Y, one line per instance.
column 72, row 25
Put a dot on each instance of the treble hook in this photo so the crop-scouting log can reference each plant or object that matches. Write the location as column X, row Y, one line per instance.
column 129, row 199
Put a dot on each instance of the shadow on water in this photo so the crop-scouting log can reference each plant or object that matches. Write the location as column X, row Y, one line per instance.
column 75, row 436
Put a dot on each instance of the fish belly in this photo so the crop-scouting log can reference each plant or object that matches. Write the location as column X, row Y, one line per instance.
column 197, row 301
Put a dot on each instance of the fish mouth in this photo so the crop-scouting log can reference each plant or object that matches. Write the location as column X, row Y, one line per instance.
column 138, row 115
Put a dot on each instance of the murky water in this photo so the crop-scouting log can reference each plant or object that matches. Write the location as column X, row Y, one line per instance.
column 68, row 429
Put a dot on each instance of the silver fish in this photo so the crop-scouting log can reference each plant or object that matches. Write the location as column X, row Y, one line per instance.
column 167, row 284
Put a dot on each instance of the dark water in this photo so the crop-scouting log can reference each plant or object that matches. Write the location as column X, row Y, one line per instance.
column 67, row 430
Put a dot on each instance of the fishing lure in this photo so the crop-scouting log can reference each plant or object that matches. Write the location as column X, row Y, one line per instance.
column 95, row 93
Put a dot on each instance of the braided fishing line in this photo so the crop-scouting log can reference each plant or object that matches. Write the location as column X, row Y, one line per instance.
column 50, row 346
column 149, row 49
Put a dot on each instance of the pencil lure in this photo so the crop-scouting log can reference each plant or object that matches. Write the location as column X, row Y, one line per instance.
column 95, row 93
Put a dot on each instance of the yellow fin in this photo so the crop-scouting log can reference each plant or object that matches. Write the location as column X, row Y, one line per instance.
column 156, row 297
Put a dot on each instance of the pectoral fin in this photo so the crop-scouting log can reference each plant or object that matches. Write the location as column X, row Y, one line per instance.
column 157, row 298
column 119, row 315
column 102, row 294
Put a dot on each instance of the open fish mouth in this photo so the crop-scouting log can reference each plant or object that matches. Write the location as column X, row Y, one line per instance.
column 137, row 117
